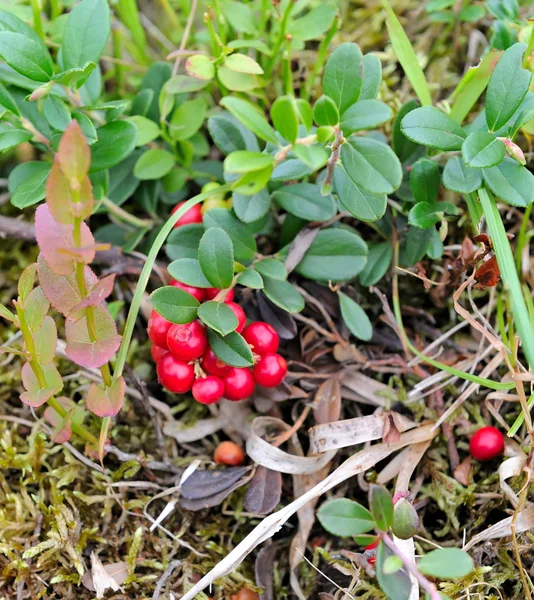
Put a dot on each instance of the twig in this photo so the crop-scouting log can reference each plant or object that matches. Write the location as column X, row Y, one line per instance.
column 166, row 574
column 334, row 157
column 428, row 586
column 316, row 326
column 152, row 465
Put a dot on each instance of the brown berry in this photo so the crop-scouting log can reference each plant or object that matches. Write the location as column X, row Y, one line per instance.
column 228, row 453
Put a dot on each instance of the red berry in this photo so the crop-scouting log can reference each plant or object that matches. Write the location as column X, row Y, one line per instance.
column 157, row 353
column 373, row 545
column 197, row 293
column 487, row 443
column 175, row 375
column 240, row 314
column 157, row 329
column 372, row 559
column 188, row 341
column 193, row 215
column 214, row 365
column 238, row 384
column 208, row 390
column 262, row 337
column 228, row 453
column 210, row 294
column 270, row 370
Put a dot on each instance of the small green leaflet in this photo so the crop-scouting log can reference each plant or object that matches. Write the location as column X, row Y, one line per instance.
column 216, row 257
column 458, row 177
column 510, row 182
column 425, row 180
column 154, row 164
column 381, row 506
column 176, row 305
column 446, row 563
column 364, row 205
column 270, row 267
column 343, row 75
column 218, row 316
column 250, row 278
column 231, row 349
column 250, row 117
column 431, row 127
column 344, row 517
column 285, row 118
column 304, row 200
column 365, row 114
column 355, row 318
column 482, row 149
column 283, row 294
column 188, row 271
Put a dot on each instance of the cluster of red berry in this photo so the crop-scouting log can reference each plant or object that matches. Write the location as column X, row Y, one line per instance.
column 186, row 362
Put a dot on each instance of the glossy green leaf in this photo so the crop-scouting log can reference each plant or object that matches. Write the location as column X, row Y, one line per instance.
column 30, row 187
column 305, row 113
column 239, row 15
column 334, row 255
column 425, row 180
column 425, row 214
column 314, row 157
column 365, row 114
column 372, row 77
column 250, row 278
column 381, row 505
column 404, row 148
column 291, row 169
column 188, row 271
column 250, row 117
column 397, row 586
column 458, row 177
column 314, row 23
column 86, row 33
column 251, row 208
column 371, row 165
column 343, row 75
column 216, row 257
column 23, row 50
column 243, row 161
column 200, row 66
column 305, row 200
column 218, row 316
column 116, row 140
column 227, row 134
column 325, row 111
column 446, row 563
column 364, row 205
column 235, row 81
column 344, row 517
column 11, row 137
column 7, row 101
column 378, row 263
column 271, row 267
column 510, row 182
column 187, row 119
column 431, row 127
column 174, row 304
column 154, row 164
column 283, row 294
column 147, row 130
column 482, row 149
column 285, row 118
column 182, row 84
column 355, row 318
column 507, row 87
column 183, row 241
column 231, row 349
column 241, row 236
column 415, row 245
column 242, row 64
column 406, row 55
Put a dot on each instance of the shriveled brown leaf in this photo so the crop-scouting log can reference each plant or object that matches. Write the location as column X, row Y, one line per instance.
column 264, row 491
column 327, row 402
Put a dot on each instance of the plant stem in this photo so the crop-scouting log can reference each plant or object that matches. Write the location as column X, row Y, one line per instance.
column 428, row 586
column 510, row 278
column 37, row 20
column 279, row 41
column 494, row 385
column 522, row 237
column 126, row 216
column 147, row 269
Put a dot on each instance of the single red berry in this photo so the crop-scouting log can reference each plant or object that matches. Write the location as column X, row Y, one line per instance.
column 208, row 390
column 175, row 375
column 157, row 329
column 372, row 559
column 197, row 293
column 193, row 215
column 238, row 384
column 262, row 337
column 157, row 353
column 214, row 365
column 187, row 341
column 270, row 370
column 486, row 443
column 210, row 294
column 228, row 453
column 240, row 314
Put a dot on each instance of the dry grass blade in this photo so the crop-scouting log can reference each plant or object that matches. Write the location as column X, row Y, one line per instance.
column 359, row 462
column 524, row 522
column 349, row 432
column 368, row 391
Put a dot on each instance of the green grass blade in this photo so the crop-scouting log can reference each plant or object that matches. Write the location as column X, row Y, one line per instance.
column 406, row 55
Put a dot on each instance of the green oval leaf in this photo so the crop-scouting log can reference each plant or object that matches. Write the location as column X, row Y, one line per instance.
column 183, row 241
column 250, row 278
column 270, row 267
column 231, row 349
column 305, row 200
column 365, row 114
column 154, row 164
column 116, row 140
column 511, row 182
column 344, row 517
column 285, row 119
column 458, row 177
column 446, row 563
column 397, row 586
column 200, row 66
column 430, row 127
column 283, row 294
column 482, row 149
column 381, row 506
column 343, row 75
column 355, row 318
column 188, row 271
column 241, row 236
column 425, row 180
column 176, row 305
column 325, row 111
column 364, row 205
column 243, row 161
column 251, row 208
column 216, row 257
column 250, row 117
column 378, row 262
column 372, row 76
column 218, row 316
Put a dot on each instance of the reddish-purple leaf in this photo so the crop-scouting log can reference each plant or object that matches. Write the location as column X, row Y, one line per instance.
column 106, row 401
column 64, row 205
column 87, row 352
column 74, row 154
column 45, row 341
column 35, row 308
column 63, row 292
column 99, row 293
column 27, row 281
column 76, row 413
column 57, row 244
column 264, row 491
column 35, row 395
column 63, row 432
